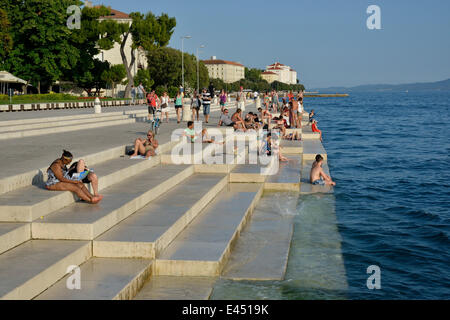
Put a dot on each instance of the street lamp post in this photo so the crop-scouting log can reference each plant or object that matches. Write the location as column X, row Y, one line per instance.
column 182, row 59
column 198, row 73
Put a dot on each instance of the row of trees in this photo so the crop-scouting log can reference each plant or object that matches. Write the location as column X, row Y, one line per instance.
column 37, row 45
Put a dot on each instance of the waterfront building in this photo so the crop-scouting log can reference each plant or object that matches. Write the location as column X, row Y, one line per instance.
column 269, row 76
column 284, row 73
column 228, row 71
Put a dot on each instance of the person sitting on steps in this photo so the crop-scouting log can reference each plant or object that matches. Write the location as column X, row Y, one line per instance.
column 317, row 175
column 59, row 180
column 79, row 169
column 145, row 147
column 315, row 129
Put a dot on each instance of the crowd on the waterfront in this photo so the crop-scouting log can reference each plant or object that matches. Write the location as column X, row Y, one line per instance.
column 275, row 117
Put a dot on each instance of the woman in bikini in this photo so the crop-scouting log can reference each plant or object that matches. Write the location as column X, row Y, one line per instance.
column 145, row 147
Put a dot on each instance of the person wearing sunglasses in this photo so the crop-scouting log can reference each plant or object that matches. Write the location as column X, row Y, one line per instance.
column 146, row 147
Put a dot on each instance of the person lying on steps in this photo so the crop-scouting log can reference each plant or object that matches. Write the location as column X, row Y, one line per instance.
column 146, row 147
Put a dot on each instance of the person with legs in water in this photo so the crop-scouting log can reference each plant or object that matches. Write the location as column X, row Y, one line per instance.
column 317, row 175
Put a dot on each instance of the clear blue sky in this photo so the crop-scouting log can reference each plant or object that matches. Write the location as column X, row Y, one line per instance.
column 325, row 41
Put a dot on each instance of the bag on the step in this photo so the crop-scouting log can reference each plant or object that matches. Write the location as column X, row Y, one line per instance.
column 129, row 150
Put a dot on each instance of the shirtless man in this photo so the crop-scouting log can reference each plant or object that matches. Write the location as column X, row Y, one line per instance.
column 237, row 119
column 294, row 116
column 145, row 147
column 58, row 180
column 317, row 175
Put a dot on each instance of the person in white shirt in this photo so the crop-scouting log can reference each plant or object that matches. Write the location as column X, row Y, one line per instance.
column 165, row 106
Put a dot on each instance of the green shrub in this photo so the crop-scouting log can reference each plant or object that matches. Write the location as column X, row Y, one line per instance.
column 159, row 90
column 172, row 92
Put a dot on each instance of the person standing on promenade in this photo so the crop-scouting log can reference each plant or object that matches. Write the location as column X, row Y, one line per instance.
column 223, row 100
column 196, row 103
column 59, row 180
column 133, row 94
column 165, row 106
column 178, row 105
column 275, row 101
column 141, row 92
column 266, row 100
column 152, row 101
column 294, row 111
column 211, row 90
column 317, row 175
column 206, row 101
column 240, row 99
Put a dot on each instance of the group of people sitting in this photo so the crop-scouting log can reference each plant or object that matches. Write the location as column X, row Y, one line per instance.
column 62, row 178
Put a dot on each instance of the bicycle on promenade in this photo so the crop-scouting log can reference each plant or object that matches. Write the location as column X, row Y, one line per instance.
column 156, row 122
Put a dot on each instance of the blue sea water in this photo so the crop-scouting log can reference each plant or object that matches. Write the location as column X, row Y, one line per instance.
column 389, row 154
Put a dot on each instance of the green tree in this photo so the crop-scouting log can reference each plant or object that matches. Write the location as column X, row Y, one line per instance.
column 5, row 37
column 252, row 74
column 45, row 49
column 146, row 32
column 164, row 65
column 114, row 75
column 93, row 78
column 42, row 42
column 143, row 75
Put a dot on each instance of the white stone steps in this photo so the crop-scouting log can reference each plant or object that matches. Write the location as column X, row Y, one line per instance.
column 50, row 124
column 13, row 234
column 53, row 130
column 287, row 178
column 103, row 279
column 63, row 118
column 306, row 186
column 82, row 221
column 291, row 146
column 311, row 148
column 204, row 246
column 151, row 229
column 177, row 288
column 38, row 176
column 29, row 203
column 32, row 267
column 262, row 250
column 247, row 173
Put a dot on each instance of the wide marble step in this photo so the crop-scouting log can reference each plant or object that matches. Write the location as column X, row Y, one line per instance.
column 152, row 228
column 82, row 221
column 204, row 246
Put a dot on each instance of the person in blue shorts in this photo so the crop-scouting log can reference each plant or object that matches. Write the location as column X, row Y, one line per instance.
column 317, row 175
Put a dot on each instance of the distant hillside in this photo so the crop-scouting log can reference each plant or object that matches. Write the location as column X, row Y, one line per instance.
column 421, row 86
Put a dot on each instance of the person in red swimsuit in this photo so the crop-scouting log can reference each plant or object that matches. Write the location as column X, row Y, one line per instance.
column 314, row 128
